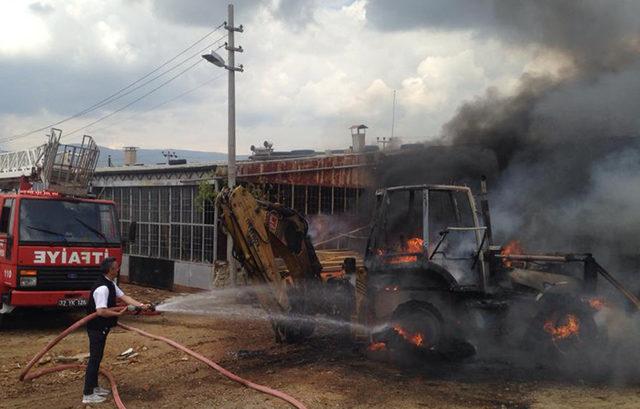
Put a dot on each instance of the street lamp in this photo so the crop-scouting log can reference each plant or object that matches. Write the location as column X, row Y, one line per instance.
column 218, row 61
column 215, row 59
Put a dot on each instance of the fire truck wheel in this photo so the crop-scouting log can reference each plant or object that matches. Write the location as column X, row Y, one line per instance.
column 2, row 315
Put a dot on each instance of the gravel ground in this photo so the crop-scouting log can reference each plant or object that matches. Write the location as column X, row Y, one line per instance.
column 325, row 372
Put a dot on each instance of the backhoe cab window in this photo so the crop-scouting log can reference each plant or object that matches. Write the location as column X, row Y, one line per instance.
column 453, row 249
column 402, row 232
column 67, row 222
column 448, row 209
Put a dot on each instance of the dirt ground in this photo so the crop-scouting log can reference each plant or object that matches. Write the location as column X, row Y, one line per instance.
column 325, row 372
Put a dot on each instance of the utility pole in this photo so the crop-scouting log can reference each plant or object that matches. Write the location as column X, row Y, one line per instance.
column 231, row 162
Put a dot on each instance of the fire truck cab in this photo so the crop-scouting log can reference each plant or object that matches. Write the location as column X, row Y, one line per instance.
column 51, row 247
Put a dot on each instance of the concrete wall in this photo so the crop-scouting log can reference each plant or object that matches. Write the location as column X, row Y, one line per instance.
column 193, row 275
column 186, row 275
column 124, row 267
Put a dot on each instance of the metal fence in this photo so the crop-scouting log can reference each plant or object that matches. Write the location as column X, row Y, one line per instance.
column 171, row 225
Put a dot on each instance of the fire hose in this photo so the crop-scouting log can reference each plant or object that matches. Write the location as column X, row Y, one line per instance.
column 25, row 375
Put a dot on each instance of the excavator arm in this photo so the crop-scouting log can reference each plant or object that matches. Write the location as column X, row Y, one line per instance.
column 271, row 242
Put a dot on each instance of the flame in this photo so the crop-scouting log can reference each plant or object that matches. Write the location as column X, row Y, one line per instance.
column 377, row 346
column 597, row 303
column 572, row 327
column 416, row 339
column 513, row 247
column 413, row 246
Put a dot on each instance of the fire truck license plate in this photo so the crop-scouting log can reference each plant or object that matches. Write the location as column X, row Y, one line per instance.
column 72, row 302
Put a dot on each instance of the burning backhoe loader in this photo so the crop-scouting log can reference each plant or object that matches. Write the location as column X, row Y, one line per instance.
column 432, row 281
column 436, row 284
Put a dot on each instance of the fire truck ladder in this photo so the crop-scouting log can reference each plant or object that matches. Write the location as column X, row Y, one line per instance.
column 20, row 163
column 64, row 168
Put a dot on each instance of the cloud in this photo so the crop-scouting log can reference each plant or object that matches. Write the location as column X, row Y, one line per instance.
column 311, row 70
column 21, row 31
column 41, row 8
column 204, row 13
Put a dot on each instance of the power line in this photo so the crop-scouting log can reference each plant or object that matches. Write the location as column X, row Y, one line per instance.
column 96, row 106
column 108, row 99
column 197, row 53
column 142, row 96
column 135, row 100
column 174, row 98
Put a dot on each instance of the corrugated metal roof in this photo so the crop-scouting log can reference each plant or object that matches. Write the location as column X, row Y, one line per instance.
column 159, row 167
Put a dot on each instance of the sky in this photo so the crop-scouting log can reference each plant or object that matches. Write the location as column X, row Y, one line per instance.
column 312, row 68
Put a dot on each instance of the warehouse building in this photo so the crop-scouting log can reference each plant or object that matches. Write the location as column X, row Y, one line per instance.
column 178, row 244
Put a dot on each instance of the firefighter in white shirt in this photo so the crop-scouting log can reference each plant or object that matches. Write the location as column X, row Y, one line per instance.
column 103, row 296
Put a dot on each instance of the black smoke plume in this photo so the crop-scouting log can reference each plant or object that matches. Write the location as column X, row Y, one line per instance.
column 561, row 152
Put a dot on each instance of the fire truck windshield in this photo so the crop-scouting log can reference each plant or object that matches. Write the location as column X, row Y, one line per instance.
column 67, row 222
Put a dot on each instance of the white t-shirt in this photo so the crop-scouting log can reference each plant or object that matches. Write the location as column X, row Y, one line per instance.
column 101, row 294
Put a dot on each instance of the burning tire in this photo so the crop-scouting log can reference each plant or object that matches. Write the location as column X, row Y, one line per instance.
column 563, row 328
column 416, row 326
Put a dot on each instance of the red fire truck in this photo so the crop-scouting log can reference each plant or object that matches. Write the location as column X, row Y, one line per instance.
column 53, row 235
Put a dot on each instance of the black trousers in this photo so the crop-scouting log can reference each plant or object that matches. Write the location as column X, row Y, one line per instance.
column 97, row 340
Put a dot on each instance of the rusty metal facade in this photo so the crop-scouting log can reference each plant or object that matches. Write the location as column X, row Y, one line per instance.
column 342, row 171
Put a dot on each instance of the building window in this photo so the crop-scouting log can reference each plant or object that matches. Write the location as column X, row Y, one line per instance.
column 170, row 223
column 351, row 204
column 299, row 198
column 339, row 200
column 326, row 200
column 313, row 199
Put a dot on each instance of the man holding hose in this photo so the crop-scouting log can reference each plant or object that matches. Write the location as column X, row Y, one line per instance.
column 103, row 297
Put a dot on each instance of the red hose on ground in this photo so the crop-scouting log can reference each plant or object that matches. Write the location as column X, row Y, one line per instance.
column 264, row 389
column 57, row 339
column 104, row 372
column 116, row 397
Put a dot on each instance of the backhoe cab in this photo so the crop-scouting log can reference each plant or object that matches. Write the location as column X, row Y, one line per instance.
column 425, row 253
